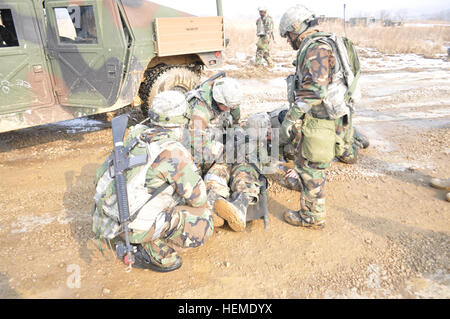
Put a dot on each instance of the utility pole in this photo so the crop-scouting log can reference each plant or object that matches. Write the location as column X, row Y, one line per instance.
column 345, row 31
column 219, row 7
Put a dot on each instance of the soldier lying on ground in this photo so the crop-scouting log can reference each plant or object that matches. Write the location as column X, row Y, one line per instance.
column 176, row 212
column 235, row 185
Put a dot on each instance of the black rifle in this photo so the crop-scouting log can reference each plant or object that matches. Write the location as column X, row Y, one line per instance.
column 121, row 161
column 214, row 77
column 260, row 211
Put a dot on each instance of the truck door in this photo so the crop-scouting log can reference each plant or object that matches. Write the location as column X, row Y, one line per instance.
column 24, row 78
column 87, row 49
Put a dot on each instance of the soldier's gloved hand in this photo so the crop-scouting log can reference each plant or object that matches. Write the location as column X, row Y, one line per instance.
column 286, row 131
column 289, row 152
column 295, row 112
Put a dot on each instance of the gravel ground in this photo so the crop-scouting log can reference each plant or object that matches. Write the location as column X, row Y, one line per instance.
column 387, row 233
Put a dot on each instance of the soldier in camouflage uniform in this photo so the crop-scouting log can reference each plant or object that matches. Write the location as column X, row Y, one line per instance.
column 289, row 148
column 264, row 32
column 319, row 136
column 214, row 107
column 236, row 184
column 177, row 214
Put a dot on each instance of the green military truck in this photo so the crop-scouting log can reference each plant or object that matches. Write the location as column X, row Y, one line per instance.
column 65, row 59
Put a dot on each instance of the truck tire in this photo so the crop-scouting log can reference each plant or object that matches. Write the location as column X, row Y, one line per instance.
column 162, row 78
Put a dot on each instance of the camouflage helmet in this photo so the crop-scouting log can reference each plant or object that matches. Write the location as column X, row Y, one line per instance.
column 227, row 92
column 295, row 20
column 169, row 109
column 258, row 125
column 258, row 120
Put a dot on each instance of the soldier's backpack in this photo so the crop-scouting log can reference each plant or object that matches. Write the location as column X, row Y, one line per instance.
column 343, row 91
column 105, row 210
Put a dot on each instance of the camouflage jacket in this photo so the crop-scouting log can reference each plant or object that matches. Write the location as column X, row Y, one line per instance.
column 174, row 165
column 314, row 74
column 264, row 26
column 204, row 118
column 169, row 162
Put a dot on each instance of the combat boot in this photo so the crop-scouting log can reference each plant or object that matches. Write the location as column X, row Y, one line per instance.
column 158, row 256
column 212, row 197
column 292, row 184
column 440, row 183
column 292, row 181
column 297, row 218
column 233, row 211
column 360, row 140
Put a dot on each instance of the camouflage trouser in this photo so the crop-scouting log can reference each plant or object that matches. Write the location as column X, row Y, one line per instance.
column 203, row 168
column 225, row 179
column 181, row 226
column 312, row 175
column 263, row 50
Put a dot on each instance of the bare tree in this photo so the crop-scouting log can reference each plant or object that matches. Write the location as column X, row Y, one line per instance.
column 384, row 14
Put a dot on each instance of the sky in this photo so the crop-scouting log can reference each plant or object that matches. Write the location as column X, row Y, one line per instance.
column 330, row 8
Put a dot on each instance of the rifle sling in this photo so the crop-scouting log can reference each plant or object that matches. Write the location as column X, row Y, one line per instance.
column 158, row 191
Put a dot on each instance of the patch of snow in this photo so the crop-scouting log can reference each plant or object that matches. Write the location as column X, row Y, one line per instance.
column 426, row 25
column 430, row 286
column 82, row 124
column 241, row 56
column 230, row 67
column 389, row 63
column 26, row 224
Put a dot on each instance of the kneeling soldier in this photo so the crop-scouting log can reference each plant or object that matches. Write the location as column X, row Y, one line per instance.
column 166, row 195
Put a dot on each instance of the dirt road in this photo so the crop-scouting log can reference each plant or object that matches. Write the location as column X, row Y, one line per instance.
column 387, row 233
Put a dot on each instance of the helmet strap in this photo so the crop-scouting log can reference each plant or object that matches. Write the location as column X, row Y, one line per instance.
column 294, row 40
column 215, row 107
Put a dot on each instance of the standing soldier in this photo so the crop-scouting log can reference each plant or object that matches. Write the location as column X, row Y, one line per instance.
column 264, row 32
column 320, row 111
column 167, row 196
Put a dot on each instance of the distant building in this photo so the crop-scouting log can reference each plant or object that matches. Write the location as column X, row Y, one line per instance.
column 358, row 21
column 392, row 23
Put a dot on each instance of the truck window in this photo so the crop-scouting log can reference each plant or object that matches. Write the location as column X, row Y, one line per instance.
column 8, row 34
column 76, row 24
